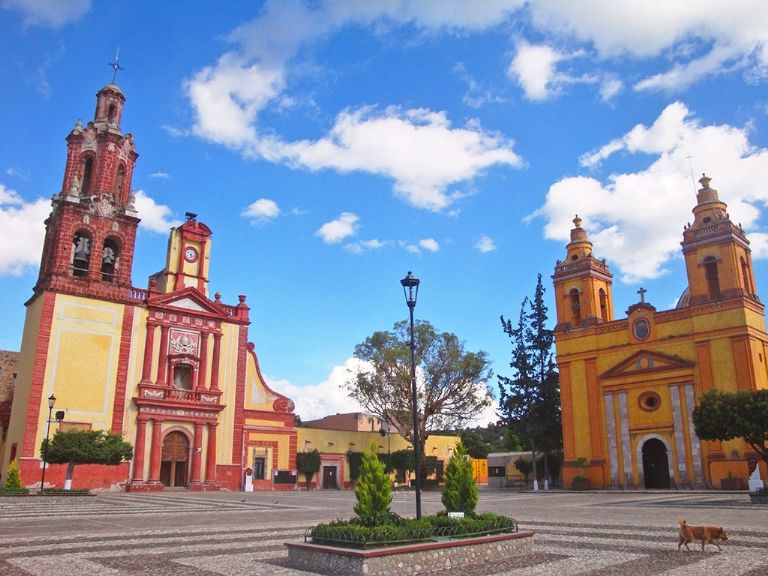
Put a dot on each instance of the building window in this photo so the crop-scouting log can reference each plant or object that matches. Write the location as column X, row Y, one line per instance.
column 259, row 467
column 182, row 377
column 713, row 279
column 81, row 254
column 119, row 181
column 109, row 256
column 641, row 328
column 649, row 401
column 746, row 277
column 87, row 172
column 575, row 306
column 111, row 113
column 603, row 305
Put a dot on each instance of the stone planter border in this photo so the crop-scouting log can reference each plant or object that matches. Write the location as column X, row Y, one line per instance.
column 409, row 559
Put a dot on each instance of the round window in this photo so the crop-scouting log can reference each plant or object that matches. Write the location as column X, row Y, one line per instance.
column 641, row 329
column 649, row 401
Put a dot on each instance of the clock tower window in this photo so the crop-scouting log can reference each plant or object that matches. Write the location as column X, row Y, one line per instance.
column 87, row 173
column 713, row 279
column 109, row 256
column 575, row 306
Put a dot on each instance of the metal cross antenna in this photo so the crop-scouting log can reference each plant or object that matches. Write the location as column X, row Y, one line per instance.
column 115, row 65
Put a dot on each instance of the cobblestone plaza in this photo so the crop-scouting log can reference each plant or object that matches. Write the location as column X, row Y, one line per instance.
column 235, row 533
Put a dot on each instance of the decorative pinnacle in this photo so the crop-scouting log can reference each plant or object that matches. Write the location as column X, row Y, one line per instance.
column 577, row 221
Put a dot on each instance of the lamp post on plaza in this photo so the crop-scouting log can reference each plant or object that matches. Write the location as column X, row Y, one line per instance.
column 51, row 402
column 410, row 286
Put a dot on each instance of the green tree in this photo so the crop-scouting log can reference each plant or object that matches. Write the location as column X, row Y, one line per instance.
column 525, row 467
column 308, row 463
column 460, row 491
column 474, row 443
column 403, row 461
column 74, row 447
column 12, row 478
column 373, row 490
column 452, row 383
column 530, row 399
column 729, row 415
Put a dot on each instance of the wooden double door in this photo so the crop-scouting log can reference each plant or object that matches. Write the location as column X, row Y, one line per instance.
column 174, row 464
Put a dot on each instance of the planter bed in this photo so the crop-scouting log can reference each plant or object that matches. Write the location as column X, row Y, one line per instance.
column 411, row 559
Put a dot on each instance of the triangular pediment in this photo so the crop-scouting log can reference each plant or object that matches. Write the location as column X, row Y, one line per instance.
column 647, row 361
column 187, row 299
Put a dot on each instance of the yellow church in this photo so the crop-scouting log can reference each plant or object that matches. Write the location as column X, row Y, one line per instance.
column 629, row 385
column 167, row 367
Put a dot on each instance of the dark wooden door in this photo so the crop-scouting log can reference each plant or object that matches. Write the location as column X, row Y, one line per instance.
column 174, row 460
column 655, row 464
column 329, row 477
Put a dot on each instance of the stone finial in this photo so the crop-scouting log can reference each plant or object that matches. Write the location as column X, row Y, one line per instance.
column 704, row 180
column 577, row 221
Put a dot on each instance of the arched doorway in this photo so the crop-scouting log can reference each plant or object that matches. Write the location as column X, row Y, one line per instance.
column 655, row 464
column 175, row 456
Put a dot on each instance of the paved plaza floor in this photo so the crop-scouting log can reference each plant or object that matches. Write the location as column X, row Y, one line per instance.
column 235, row 533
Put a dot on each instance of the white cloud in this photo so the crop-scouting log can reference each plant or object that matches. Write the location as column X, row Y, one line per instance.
column 21, row 232
column 534, row 69
column 335, row 231
column 161, row 175
column 154, row 217
column 429, row 244
column 636, row 219
column 485, row 244
column 49, row 13
column 610, row 87
column 262, row 210
column 711, row 37
column 327, row 397
column 417, row 148
column 365, row 246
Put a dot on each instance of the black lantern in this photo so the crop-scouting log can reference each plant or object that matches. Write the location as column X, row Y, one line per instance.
column 410, row 286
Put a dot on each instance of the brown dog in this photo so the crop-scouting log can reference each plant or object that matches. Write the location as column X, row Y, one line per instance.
column 707, row 535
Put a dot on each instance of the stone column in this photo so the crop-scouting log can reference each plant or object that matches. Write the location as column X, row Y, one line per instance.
column 698, row 472
column 197, row 449
column 149, row 345
column 162, row 367
column 210, row 457
column 613, row 453
column 200, row 383
column 215, row 361
column 156, row 452
column 138, row 451
column 626, row 447
column 679, row 433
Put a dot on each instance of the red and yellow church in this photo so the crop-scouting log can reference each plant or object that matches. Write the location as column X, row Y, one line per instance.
column 629, row 385
column 167, row 367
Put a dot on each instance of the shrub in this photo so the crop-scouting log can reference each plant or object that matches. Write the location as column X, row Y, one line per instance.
column 373, row 491
column 13, row 479
column 308, row 463
column 460, row 491
column 524, row 466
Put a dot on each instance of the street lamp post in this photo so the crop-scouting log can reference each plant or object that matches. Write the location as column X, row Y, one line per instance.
column 51, row 402
column 410, row 286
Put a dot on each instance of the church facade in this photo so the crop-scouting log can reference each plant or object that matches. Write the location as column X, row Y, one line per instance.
column 629, row 385
column 167, row 367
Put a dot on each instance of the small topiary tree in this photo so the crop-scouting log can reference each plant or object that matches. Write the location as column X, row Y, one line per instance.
column 460, row 491
column 308, row 463
column 525, row 467
column 373, row 491
column 13, row 479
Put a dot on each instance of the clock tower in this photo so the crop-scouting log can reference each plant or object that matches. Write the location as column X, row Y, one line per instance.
column 188, row 258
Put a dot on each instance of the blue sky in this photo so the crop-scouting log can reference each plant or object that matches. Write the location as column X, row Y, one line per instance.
column 332, row 146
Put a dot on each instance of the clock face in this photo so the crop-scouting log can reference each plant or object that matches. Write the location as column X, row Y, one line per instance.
column 190, row 254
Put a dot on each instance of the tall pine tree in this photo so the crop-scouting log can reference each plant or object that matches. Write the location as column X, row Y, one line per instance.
column 530, row 399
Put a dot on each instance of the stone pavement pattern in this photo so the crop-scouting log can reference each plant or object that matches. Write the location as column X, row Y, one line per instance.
column 236, row 534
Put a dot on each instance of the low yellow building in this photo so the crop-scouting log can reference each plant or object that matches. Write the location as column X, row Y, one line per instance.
column 629, row 385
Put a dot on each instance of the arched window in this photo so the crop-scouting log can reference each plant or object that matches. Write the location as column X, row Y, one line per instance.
column 182, row 377
column 713, row 280
column 111, row 113
column 603, row 305
column 81, row 254
column 119, row 181
column 109, row 255
column 575, row 306
column 87, row 172
column 746, row 277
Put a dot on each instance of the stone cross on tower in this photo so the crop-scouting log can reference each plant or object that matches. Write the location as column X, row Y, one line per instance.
column 642, row 292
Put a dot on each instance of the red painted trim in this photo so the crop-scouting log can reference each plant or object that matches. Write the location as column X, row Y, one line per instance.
column 239, row 416
column 121, row 383
column 28, row 448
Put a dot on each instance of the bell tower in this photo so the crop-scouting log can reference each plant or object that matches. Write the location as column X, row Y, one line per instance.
column 91, row 231
column 582, row 283
column 718, row 259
